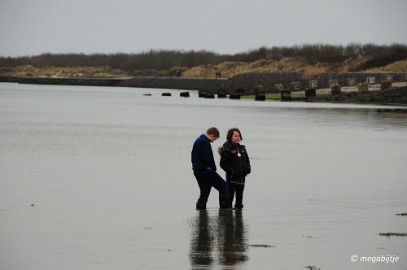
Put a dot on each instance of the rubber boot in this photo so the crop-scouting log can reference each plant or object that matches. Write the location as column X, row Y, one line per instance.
column 239, row 197
column 224, row 200
column 200, row 206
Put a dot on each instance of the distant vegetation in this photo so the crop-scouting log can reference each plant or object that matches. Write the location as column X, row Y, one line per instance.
column 163, row 62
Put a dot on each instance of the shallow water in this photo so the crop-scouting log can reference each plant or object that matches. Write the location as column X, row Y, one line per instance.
column 108, row 173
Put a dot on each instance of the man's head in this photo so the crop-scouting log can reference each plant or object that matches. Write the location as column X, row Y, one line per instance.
column 212, row 134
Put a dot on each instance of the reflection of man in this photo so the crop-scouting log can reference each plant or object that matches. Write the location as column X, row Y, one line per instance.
column 201, row 243
column 204, row 168
column 229, row 241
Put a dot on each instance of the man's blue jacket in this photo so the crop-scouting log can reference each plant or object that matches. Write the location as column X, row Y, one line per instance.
column 202, row 155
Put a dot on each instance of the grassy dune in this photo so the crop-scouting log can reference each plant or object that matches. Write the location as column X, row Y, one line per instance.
column 227, row 69
column 288, row 64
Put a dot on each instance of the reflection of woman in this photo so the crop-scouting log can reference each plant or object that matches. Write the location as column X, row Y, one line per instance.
column 232, row 238
column 221, row 236
column 235, row 162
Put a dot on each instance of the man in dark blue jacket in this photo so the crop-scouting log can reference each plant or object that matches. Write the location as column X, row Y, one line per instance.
column 204, row 168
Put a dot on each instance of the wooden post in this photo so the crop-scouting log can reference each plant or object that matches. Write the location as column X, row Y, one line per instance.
column 210, row 95
column 335, row 90
column 363, row 87
column 310, row 92
column 386, row 85
column 202, row 93
column 221, row 94
column 285, row 95
column 260, row 97
column 260, row 94
column 184, row 94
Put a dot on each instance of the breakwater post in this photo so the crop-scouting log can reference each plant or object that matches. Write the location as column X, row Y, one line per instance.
column 184, row 94
column 363, row 87
column 335, row 90
column 285, row 95
column 386, row 85
column 310, row 94
column 222, row 93
column 260, row 94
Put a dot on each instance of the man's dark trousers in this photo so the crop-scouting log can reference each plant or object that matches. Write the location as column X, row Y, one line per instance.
column 206, row 180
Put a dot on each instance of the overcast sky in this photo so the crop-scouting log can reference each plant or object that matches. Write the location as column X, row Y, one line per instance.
column 32, row 27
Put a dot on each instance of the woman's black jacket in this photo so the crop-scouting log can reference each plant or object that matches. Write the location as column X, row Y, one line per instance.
column 234, row 160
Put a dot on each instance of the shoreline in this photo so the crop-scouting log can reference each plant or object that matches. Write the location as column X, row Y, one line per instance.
column 395, row 95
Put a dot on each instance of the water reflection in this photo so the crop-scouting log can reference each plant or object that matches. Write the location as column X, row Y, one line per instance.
column 218, row 239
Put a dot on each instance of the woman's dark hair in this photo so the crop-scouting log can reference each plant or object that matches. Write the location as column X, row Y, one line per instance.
column 230, row 134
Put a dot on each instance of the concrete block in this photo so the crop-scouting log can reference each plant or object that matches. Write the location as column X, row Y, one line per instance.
column 333, row 82
column 295, row 86
column 351, row 81
column 371, row 80
column 363, row 87
column 278, row 87
column 258, row 88
column 313, row 84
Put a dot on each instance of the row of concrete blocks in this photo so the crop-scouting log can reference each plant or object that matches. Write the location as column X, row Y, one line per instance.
column 221, row 94
column 362, row 87
column 309, row 93
column 296, row 86
column 260, row 94
column 203, row 94
column 168, row 94
column 335, row 90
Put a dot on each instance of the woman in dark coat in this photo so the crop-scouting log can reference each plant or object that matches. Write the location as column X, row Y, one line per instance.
column 235, row 162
